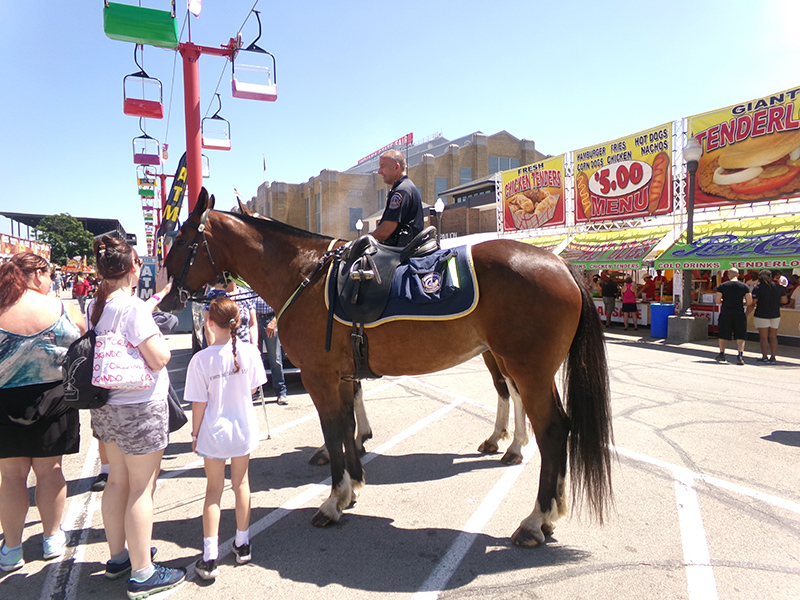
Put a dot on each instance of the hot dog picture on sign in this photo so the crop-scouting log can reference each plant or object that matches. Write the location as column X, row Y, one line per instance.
column 629, row 177
column 533, row 195
column 751, row 151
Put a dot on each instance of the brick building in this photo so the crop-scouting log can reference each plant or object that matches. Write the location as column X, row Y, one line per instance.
column 459, row 171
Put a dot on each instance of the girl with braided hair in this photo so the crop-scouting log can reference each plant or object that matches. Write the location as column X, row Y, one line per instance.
column 219, row 383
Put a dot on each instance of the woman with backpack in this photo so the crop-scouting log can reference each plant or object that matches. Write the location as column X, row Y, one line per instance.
column 36, row 428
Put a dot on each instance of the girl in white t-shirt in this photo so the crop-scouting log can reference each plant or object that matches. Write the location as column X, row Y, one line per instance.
column 220, row 381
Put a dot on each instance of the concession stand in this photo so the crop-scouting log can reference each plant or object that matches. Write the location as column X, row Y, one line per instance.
column 618, row 204
column 621, row 250
column 750, row 244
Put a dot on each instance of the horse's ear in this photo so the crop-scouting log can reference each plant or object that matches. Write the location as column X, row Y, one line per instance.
column 202, row 201
column 243, row 209
column 211, row 202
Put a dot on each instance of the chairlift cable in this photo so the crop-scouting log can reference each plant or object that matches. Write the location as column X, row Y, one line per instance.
column 248, row 15
column 216, row 90
column 172, row 83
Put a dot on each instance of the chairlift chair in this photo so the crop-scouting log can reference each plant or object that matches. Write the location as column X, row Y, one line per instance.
column 142, row 94
column 145, row 149
column 260, row 83
column 131, row 23
column 215, row 131
column 206, row 167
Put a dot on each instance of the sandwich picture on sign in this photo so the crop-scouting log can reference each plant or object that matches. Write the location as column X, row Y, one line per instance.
column 758, row 168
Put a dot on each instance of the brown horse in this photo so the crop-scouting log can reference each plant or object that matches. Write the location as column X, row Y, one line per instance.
column 533, row 314
column 513, row 455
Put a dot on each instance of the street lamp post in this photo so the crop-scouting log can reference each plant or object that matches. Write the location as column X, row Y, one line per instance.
column 359, row 226
column 439, row 208
column 691, row 154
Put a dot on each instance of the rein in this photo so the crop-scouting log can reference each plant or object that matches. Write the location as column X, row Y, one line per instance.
column 321, row 263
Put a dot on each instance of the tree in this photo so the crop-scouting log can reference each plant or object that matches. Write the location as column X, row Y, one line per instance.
column 67, row 238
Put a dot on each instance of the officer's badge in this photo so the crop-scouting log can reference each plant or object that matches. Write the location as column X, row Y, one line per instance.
column 395, row 200
column 432, row 282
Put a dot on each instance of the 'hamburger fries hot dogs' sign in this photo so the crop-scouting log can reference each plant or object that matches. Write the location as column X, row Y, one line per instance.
column 626, row 178
column 751, row 151
column 533, row 195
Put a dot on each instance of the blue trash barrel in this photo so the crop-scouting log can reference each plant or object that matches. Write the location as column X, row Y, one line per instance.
column 659, row 318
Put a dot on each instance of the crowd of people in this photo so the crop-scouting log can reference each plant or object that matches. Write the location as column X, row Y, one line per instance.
column 132, row 428
column 762, row 293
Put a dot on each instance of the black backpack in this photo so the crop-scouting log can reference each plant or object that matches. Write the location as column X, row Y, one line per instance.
column 77, row 372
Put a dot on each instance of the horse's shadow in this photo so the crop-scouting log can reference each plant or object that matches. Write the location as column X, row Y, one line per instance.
column 372, row 554
column 787, row 438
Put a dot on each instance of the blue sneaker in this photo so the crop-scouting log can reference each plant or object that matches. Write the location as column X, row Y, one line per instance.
column 55, row 545
column 115, row 570
column 163, row 578
column 11, row 558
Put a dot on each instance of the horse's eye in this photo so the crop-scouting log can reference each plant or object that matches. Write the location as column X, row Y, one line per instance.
column 180, row 242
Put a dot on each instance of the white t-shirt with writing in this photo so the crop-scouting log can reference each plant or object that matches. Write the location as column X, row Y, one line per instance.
column 229, row 426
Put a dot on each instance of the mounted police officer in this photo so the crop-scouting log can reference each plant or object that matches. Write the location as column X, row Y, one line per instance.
column 402, row 218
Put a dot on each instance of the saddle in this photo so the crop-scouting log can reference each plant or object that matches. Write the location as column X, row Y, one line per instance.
column 363, row 275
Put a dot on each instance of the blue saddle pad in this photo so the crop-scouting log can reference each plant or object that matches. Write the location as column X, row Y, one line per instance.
column 437, row 287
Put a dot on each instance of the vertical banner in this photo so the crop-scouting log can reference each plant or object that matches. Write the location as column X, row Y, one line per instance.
column 533, row 195
column 626, row 178
column 175, row 198
column 751, row 151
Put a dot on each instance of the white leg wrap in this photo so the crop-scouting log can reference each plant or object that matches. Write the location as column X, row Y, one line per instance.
column 363, row 429
column 501, row 421
column 340, row 498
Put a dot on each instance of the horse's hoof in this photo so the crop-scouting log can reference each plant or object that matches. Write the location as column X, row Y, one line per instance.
column 488, row 447
column 320, row 457
column 320, row 519
column 511, row 458
column 548, row 528
column 527, row 539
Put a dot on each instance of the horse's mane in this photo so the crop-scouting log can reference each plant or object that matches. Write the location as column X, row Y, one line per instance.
column 268, row 223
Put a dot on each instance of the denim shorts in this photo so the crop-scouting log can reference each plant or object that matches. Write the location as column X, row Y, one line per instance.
column 136, row 429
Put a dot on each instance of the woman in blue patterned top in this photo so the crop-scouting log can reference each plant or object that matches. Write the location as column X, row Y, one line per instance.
column 36, row 429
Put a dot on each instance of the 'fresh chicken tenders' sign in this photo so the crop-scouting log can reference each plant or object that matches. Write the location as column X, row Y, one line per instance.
column 626, row 178
column 533, row 195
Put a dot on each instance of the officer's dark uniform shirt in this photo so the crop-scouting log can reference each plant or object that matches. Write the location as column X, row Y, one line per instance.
column 403, row 205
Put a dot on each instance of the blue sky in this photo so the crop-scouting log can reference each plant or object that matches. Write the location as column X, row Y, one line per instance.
column 353, row 76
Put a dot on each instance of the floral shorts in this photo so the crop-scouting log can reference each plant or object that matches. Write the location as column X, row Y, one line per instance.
column 135, row 428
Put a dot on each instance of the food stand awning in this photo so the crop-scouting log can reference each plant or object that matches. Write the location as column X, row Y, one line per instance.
column 618, row 250
column 546, row 242
column 765, row 243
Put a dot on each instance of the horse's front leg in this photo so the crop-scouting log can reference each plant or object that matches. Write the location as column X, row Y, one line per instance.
column 347, row 476
column 363, row 429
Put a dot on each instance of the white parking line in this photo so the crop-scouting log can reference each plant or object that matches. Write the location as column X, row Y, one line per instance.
column 447, row 567
column 323, row 486
column 699, row 573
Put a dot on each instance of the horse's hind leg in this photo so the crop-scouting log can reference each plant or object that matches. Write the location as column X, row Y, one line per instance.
column 490, row 444
column 513, row 455
column 363, row 429
column 551, row 427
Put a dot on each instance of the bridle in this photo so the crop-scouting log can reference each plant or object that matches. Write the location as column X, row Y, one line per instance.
column 179, row 283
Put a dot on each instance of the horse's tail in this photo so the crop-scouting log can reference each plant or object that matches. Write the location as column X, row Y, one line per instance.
column 588, row 407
